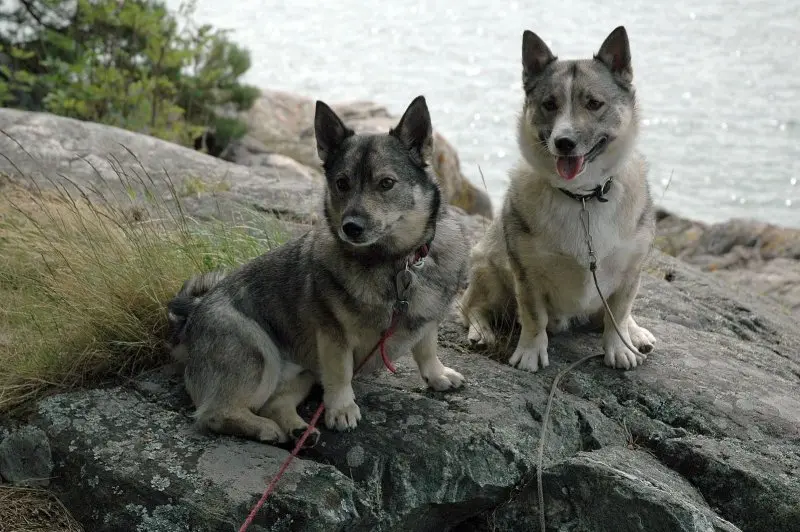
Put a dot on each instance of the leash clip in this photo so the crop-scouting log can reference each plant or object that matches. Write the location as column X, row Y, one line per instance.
column 403, row 282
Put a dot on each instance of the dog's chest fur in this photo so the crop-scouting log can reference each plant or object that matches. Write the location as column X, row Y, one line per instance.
column 544, row 233
column 364, row 304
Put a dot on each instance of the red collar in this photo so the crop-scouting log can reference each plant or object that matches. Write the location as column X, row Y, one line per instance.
column 417, row 260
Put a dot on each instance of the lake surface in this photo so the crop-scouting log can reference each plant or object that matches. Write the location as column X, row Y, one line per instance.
column 718, row 82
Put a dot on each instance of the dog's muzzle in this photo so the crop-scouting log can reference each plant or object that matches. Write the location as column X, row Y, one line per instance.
column 596, row 149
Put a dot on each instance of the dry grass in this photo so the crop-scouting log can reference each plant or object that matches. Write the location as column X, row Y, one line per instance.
column 84, row 281
column 33, row 510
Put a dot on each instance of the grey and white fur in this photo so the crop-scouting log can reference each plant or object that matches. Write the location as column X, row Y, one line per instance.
column 254, row 341
column 578, row 128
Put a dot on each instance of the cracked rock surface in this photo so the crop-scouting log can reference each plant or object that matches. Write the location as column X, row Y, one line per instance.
column 705, row 436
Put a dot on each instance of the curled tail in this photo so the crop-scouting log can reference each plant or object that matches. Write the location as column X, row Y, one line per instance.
column 181, row 306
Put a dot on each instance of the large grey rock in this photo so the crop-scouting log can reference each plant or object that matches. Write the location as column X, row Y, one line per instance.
column 46, row 150
column 25, row 458
column 704, row 436
column 613, row 488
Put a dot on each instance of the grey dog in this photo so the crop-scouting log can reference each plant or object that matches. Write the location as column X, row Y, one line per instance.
column 255, row 340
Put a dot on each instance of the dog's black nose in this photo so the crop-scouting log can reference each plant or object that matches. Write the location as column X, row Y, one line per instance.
column 352, row 228
column 565, row 145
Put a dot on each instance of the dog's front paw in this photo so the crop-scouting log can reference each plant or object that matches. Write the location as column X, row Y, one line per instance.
column 641, row 338
column 446, row 379
column 344, row 417
column 618, row 355
column 529, row 356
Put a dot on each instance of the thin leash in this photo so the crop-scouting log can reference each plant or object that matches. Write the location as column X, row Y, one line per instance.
column 403, row 282
column 584, row 214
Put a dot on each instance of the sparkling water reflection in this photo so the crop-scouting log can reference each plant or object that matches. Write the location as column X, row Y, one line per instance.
column 717, row 81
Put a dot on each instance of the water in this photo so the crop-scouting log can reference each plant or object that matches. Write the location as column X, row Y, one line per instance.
column 718, row 81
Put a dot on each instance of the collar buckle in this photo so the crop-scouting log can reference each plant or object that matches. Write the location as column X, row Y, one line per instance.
column 599, row 192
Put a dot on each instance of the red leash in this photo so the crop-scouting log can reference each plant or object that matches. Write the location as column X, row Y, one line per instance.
column 313, row 423
column 403, row 282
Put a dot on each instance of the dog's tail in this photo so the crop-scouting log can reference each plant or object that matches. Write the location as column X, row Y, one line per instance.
column 183, row 304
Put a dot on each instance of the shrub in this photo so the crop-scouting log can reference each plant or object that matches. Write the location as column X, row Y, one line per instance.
column 126, row 63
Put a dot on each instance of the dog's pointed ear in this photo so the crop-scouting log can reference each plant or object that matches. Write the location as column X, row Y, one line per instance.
column 535, row 55
column 415, row 130
column 329, row 130
column 615, row 53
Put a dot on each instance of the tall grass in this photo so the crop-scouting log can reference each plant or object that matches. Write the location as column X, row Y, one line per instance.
column 84, row 278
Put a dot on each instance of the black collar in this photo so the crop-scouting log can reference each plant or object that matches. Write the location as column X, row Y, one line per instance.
column 599, row 192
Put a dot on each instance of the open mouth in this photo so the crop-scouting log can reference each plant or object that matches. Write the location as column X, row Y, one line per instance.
column 571, row 166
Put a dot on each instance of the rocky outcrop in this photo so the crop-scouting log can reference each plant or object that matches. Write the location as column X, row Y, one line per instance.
column 282, row 122
column 47, row 150
column 705, row 436
column 761, row 257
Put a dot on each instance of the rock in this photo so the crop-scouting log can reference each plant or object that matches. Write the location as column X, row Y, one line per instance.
column 744, row 252
column 281, row 122
column 613, row 488
column 704, row 436
column 778, row 279
column 25, row 458
column 42, row 149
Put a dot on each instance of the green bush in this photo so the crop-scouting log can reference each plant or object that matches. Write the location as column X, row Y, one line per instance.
column 126, row 63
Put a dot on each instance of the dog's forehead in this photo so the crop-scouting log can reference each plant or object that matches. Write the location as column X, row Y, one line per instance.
column 593, row 77
column 369, row 155
column 577, row 78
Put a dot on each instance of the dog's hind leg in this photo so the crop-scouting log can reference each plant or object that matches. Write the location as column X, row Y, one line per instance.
column 231, row 376
column 243, row 423
column 282, row 406
column 474, row 313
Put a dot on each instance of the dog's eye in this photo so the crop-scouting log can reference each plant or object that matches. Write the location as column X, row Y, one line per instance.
column 549, row 104
column 594, row 105
column 342, row 184
column 386, row 183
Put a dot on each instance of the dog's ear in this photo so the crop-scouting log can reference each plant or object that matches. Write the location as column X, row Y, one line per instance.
column 329, row 130
column 535, row 55
column 415, row 130
column 615, row 53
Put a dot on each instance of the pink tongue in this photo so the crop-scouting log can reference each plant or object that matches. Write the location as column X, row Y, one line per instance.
column 568, row 167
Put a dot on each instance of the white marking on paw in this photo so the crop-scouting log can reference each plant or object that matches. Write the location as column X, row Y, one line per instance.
column 342, row 417
column 271, row 433
column 529, row 356
column 447, row 379
column 617, row 353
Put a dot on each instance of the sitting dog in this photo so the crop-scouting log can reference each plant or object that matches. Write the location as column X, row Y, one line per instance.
column 579, row 174
column 254, row 341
